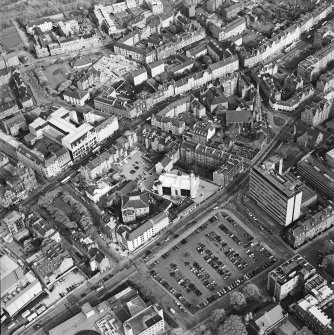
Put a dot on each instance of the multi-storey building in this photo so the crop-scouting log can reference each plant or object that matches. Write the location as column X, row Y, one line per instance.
column 155, row 68
column 309, row 227
column 136, row 53
column 309, row 68
column 289, row 276
column 43, row 24
column 76, row 97
column 203, row 131
column 232, row 11
column 233, row 28
column 74, row 43
column 18, row 288
column 5, row 75
column 138, row 76
column 326, row 81
column 291, row 34
column 25, row 96
column 64, row 128
column 181, row 42
column 14, row 124
column 117, row 152
column 228, row 171
column 108, row 102
column 53, row 261
column 318, row 174
column 134, row 237
column 312, row 310
column 45, row 166
column 8, row 109
column 17, row 181
column 280, row 196
column 134, row 206
column 90, row 78
column 154, row 322
column 317, row 112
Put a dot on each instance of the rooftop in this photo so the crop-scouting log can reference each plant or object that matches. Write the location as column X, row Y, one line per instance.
column 147, row 318
column 291, row 268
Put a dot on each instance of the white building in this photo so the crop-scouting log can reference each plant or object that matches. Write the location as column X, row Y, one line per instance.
column 132, row 239
column 316, row 113
column 17, row 289
column 106, row 128
column 149, row 321
column 156, row 6
column 177, row 185
column 279, row 195
column 42, row 23
column 76, row 97
column 138, row 76
column 155, row 68
column 64, row 128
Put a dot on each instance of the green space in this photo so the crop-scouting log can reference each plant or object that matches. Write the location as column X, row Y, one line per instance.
column 57, row 73
column 279, row 121
column 10, row 39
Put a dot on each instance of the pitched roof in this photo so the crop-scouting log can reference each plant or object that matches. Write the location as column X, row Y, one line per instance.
column 238, row 116
column 140, row 200
column 76, row 94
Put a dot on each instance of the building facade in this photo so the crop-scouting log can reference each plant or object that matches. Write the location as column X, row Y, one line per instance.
column 279, row 196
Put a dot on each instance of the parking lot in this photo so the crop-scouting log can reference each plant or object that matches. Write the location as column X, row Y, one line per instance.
column 215, row 259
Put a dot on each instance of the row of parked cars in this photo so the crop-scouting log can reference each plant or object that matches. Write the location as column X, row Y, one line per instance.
column 171, row 289
column 216, row 263
column 186, row 283
column 234, row 285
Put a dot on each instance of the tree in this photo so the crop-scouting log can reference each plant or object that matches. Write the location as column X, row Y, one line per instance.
column 233, row 325
column 328, row 262
column 217, row 317
column 237, row 300
column 251, row 292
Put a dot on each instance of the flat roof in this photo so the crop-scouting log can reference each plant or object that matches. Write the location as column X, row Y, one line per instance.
column 145, row 319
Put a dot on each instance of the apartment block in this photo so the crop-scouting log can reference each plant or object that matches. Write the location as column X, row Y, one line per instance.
column 310, row 226
column 289, row 276
column 318, row 174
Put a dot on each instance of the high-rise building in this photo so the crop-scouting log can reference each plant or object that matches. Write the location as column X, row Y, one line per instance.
column 289, row 276
column 280, row 196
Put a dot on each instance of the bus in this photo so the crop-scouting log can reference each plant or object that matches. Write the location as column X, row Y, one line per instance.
column 100, row 288
column 65, row 180
column 26, row 313
column 97, row 149
column 32, row 316
column 13, row 324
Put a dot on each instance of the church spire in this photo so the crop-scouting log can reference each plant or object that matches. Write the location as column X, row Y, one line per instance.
column 257, row 105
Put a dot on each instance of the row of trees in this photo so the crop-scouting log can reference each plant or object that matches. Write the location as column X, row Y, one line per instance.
column 79, row 213
column 230, row 325
column 233, row 324
column 238, row 299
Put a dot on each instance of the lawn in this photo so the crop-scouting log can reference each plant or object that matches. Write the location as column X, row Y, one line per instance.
column 10, row 39
column 57, row 73
column 278, row 121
